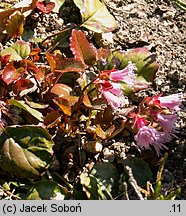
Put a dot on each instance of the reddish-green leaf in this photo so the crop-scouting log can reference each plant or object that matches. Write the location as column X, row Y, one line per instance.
column 68, row 64
column 95, row 16
column 81, row 48
column 22, row 48
column 144, row 60
column 14, row 27
column 45, row 7
column 10, row 74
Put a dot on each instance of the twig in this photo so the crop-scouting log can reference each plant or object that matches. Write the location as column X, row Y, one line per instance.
column 133, row 182
column 12, row 195
column 57, row 33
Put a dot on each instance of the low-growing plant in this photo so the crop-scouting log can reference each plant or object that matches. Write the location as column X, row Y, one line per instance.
column 89, row 98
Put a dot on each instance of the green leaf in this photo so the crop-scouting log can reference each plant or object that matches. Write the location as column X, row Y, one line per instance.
column 58, row 4
column 22, row 48
column 14, row 56
column 181, row 4
column 22, row 105
column 140, row 170
column 25, row 151
column 47, row 190
column 143, row 59
column 95, row 16
column 102, row 182
column 18, row 51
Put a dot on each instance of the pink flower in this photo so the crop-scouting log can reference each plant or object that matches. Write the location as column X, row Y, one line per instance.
column 113, row 94
column 167, row 122
column 148, row 136
column 171, row 101
column 125, row 75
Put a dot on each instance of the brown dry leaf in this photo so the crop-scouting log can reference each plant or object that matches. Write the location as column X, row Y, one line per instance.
column 51, row 61
column 100, row 133
column 86, row 101
column 14, row 27
column 63, row 103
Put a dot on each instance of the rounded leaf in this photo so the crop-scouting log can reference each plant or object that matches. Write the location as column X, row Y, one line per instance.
column 47, row 190
column 15, row 24
column 25, row 151
column 140, row 170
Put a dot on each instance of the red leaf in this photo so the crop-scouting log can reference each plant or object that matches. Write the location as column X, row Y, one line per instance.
column 82, row 49
column 41, row 73
column 35, row 51
column 45, row 7
column 5, row 59
column 30, row 66
column 21, row 85
column 10, row 74
column 68, row 64
column 59, row 63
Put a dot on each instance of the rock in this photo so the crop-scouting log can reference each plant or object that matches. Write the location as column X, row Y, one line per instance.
column 93, row 146
column 104, row 40
column 108, row 154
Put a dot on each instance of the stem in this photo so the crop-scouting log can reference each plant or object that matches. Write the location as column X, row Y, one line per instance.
column 38, row 85
column 59, row 32
column 81, row 94
column 65, row 181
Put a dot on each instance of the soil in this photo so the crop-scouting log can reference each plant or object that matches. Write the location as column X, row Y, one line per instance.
column 160, row 26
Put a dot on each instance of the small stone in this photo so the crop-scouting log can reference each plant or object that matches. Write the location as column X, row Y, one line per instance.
column 169, row 15
column 59, row 23
column 104, row 39
column 108, row 154
column 92, row 146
